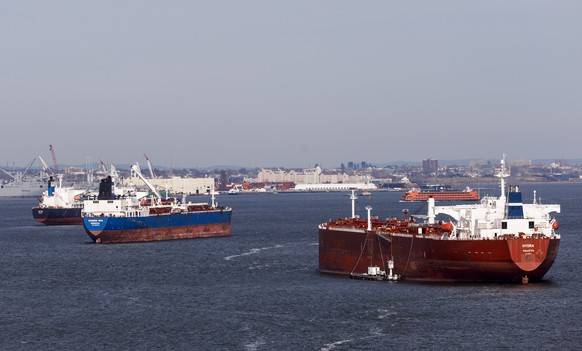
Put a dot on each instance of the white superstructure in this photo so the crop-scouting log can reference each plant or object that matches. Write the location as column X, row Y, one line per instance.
column 495, row 217
column 61, row 197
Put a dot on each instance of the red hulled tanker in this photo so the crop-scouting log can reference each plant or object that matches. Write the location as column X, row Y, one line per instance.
column 498, row 240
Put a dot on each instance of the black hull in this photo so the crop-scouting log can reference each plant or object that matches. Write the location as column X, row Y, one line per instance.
column 58, row 216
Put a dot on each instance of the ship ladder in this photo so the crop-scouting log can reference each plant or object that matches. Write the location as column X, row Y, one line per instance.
column 409, row 253
column 361, row 252
column 381, row 255
column 390, row 241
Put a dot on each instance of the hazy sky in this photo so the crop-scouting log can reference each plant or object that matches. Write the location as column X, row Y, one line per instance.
column 294, row 83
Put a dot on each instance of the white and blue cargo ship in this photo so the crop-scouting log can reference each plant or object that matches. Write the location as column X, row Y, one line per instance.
column 137, row 217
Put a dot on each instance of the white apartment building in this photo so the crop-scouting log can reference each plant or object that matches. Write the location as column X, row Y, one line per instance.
column 308, row 176
column 190, row 186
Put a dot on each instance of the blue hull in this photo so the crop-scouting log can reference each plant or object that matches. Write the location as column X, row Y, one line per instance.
column 158, row 227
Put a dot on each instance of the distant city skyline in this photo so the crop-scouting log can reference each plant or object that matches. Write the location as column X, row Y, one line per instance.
column 143, row 164
column 271, row 84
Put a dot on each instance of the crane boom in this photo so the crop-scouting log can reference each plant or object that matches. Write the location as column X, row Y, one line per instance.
column 27, row 168
column 54, row 158
column 135, row 168
column 18, row 175
column 8, row 173
column 103, row 167
column 152, row 174
column 45, row 167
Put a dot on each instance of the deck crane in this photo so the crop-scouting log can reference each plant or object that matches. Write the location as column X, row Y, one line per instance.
column 19, row 175
column 45, row 167
column 152, row 174
column 135, row 168
column 27, row 168
column 54, row 158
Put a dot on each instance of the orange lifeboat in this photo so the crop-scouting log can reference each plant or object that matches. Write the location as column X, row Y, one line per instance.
column 448, row 226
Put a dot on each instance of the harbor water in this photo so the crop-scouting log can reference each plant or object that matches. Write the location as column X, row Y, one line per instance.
column 260, row 289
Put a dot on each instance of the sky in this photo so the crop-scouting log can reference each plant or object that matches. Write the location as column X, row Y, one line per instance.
column 289, row 83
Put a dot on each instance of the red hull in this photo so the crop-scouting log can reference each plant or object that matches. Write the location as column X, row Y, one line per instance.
column 425, row 258
column 158, row 234
column 60, row 221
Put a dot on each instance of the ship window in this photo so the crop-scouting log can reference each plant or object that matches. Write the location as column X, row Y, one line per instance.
column 531, row 225
column 503, row 225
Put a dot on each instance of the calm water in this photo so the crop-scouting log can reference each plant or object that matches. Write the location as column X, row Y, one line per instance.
column 260, row 289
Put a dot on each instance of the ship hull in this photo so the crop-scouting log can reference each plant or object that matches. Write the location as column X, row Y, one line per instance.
column 158, row 227
column 57, row 216
column 416, row 257
column 25, row 190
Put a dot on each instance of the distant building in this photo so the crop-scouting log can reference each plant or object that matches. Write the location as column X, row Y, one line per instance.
column 478, row 163
column 74, row 171
column 222, row 180
column 189, row 186
column 520, row 163
column 308, row 176
column 430, row 166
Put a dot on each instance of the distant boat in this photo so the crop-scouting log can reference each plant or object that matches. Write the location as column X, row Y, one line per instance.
column 22, row 185
column 235, row 190
column 442, row 195
column 63, row 205
column 59, row 205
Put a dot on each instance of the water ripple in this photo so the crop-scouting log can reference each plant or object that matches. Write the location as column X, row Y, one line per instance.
column 252, row 252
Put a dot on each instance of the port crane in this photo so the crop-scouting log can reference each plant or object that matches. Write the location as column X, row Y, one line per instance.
column 54, row 158
column 152, row 174
column 46, row 168
column 103, row 166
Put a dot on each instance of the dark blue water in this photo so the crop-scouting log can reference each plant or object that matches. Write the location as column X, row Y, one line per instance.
column 260, row 289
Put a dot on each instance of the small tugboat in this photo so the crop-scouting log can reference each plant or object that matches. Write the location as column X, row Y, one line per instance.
column 499, row 239
column 135, row 217
column 59, row 205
